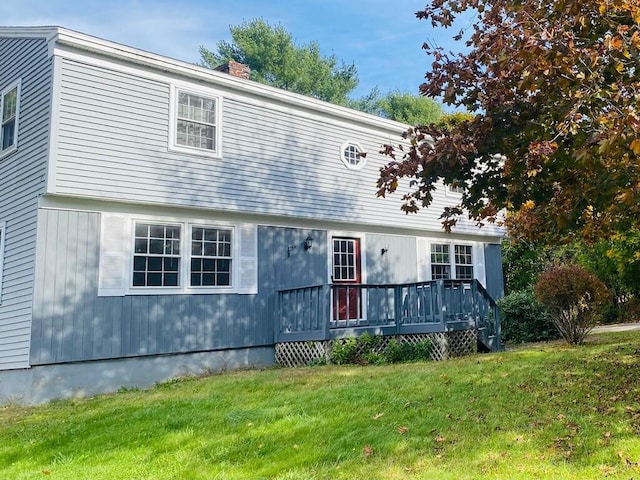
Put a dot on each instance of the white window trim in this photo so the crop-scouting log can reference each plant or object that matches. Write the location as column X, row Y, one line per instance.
column 173, row 119
column 350, row 166
column 449, row 192
column 235, row 261
column 17, row 84
column 184, row 286
column 3, row 236
column 132, row 240
column 478, row 268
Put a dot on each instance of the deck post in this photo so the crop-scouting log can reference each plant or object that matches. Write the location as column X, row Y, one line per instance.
column 325, row 309
column 474, row 302
column 440, row 303
column 397, row 306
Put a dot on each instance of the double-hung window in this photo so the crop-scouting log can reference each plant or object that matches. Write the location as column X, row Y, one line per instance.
column 9, row 109
column 440, row 261
column 210, row 257
column 169, row 256
column 464, row 262
column 443, row 264
column 195, row 122
column 156, row 258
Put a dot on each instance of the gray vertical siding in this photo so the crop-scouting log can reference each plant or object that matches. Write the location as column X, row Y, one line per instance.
column 398, row 264
column 71, row 323
column 22, row 180
column 493, row 265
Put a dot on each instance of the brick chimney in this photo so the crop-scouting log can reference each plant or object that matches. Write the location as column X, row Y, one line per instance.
column 234, row 68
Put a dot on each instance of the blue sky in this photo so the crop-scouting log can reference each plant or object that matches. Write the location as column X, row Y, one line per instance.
column 382, row 37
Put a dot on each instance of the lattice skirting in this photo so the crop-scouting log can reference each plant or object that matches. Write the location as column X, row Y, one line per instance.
column 444, row 345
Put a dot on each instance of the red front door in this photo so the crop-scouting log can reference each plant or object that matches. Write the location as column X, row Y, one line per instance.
column 346, row 273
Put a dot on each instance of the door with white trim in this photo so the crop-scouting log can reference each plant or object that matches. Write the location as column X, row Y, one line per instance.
column 347, row 273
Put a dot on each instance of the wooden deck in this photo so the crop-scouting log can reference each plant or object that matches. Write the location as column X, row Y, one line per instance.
column 325, row 312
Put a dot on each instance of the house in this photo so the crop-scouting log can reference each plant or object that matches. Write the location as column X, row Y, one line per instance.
column 159, row 218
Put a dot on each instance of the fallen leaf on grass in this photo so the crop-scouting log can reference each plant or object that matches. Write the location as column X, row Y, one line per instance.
column 440, row 439
column 402, row 430
column 367, row 451
column 377, row 416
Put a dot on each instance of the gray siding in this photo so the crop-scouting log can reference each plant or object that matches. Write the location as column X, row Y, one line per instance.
column 22, row 176
column 113, row 144
column 493, row 265
column 398, row 264
column 72, row 323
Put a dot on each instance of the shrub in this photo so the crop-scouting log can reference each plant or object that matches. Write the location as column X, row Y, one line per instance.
column 575, row 299
column 524, row 319
column 367, row 349
column 344, row 351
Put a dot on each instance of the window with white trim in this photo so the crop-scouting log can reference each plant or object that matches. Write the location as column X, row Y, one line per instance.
column 464, row 262
column 443, row 263
column 195, row 122
column 156, row 257
column 211, row 257
column 9, row 111
column 352, row 155
column 440, row 261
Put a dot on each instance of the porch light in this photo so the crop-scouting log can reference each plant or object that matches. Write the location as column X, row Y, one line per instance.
column 308, row 242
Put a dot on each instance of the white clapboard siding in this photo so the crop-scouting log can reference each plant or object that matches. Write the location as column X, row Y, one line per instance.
column 113, row 144
column 22, row 177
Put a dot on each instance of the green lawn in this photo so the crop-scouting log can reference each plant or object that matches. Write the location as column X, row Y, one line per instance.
column 544, row 411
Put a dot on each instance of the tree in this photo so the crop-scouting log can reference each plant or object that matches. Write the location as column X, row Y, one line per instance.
column 555, row 87
column 276, row 60
column 400, row 106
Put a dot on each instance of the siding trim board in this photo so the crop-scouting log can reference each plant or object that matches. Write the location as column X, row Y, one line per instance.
column 3, row 233
column 54, row 115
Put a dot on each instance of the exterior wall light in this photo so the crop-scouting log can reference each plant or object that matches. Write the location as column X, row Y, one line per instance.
column 308, row 242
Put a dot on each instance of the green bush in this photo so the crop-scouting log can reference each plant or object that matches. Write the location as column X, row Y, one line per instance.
column 344, row 351
column 367, row 350
column 575, row 299
column 524, row 319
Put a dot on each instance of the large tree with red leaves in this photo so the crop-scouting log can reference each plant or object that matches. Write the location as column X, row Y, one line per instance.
column 555, row 142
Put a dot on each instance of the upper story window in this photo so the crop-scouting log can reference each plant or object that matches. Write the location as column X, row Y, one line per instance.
column 352, row 156
column 9, row 107
column 195, row 122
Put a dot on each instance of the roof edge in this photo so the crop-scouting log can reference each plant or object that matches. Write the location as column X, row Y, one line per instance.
column 60, row 36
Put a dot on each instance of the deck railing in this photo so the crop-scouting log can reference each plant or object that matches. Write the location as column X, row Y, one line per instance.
column 322, row 312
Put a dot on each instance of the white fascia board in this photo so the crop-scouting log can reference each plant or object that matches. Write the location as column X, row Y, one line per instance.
column 114, row 50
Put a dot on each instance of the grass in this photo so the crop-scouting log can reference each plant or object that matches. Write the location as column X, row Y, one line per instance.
column 545, row 411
